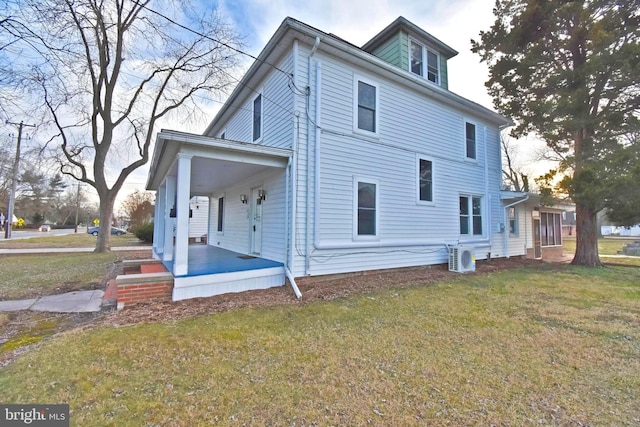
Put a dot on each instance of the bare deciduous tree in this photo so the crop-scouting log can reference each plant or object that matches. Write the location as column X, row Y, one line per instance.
column 108, row 72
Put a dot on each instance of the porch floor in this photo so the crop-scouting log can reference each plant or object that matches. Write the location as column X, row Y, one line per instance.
column 206, row 259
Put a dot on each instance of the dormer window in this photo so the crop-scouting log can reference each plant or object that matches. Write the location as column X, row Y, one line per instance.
column 424, row 62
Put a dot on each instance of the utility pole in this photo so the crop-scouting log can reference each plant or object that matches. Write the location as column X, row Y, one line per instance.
column 14, row 183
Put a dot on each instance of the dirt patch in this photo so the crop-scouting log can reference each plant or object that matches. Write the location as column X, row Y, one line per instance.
column 313, row 291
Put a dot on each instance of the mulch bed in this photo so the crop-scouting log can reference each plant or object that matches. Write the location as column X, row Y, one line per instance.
column 311, row 291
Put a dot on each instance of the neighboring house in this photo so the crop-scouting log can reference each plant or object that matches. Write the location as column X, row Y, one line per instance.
column 329, row 159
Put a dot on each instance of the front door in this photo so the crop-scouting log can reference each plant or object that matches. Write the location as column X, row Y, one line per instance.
column 537, row 243
column 256, row 221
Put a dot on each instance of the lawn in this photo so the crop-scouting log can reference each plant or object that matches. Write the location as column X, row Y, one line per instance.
column 33, row 275
column 79, row 240
column 552, row 345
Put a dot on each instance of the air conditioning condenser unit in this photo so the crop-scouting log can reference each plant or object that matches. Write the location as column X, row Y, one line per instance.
column 462, row 259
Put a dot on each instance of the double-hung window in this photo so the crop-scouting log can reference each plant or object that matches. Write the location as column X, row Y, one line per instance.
column 424, row 62
column 366, row 105
column 366, row 209
column 257, row 117
column 470, row 140
column 425, row 180
column 470, row 215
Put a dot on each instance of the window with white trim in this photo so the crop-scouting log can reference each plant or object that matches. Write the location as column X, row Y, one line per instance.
column 220, row 214
column 470, row 140
column 366, row 105
column 366, row 208
column 513, row 220
column 257, row 117
column 470, row 215
column 425, row 180
column 424, row 62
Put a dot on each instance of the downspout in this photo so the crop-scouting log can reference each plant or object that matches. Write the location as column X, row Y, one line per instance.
column 486, row 191
column 289, row 249
column 504, row 215
column 307, row 222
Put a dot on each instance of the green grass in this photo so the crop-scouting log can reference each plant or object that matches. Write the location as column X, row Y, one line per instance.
column 79, row 240
column 556, row 346
column 606, row 246
column 29, row 276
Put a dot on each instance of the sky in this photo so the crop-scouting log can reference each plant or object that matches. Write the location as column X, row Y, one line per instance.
column 454, row 22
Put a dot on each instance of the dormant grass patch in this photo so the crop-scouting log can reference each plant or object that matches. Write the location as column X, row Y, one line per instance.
column 545, row 346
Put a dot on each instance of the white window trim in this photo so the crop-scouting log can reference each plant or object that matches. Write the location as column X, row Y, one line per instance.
column 433, row 181
column 464, row 139
column 356, row 236
column 356, row 129
column 253, row 100
column 483, row 215
column 425, row 63
column 516, row 213
column 224, row 206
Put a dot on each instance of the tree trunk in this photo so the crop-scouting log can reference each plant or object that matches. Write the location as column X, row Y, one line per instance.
column 107, row 200
column 586, row 237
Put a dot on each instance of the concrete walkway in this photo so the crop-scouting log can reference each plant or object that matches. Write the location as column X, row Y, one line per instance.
column 70, row 302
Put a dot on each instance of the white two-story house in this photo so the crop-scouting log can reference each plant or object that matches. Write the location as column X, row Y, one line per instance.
column 330, row 158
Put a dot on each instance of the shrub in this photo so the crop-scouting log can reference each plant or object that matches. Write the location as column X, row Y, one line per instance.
column 144, row 232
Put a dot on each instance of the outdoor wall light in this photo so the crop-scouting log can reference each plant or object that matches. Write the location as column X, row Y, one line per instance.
column 243, row 198
column 262, row 195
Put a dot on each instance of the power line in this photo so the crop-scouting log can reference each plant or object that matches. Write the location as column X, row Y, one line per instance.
column 213, row 39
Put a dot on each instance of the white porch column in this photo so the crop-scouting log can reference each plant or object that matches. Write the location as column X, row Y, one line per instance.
column 170, row 196
column 183, row 192
column 158, row 226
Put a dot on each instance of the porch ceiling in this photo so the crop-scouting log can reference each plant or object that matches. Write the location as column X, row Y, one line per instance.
column 215, row 164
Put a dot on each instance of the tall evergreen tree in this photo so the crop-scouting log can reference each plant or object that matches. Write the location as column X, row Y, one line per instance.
column 569, row 71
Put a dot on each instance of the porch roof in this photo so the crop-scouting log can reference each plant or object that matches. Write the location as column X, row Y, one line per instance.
column 216, row 163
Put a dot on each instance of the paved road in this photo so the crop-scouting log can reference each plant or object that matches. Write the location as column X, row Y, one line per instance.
column 25, row 234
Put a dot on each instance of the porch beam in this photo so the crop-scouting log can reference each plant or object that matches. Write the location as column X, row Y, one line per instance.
column 248, row 157
column 183, row 195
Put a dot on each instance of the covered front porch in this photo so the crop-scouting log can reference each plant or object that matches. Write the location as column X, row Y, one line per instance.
column 212, row 271
column 247, row 186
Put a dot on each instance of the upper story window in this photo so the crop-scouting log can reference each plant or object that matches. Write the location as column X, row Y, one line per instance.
column 470, row 140
column 257, row 117
column 424, row 62
column 366, row 105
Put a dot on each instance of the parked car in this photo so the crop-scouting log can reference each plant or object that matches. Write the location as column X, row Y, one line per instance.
column 44, row 227
column 114, row 230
